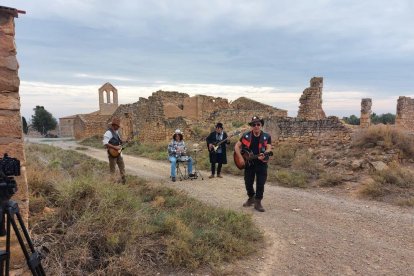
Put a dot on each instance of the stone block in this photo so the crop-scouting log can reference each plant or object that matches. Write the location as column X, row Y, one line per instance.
column 7, row 24
column 10, row 124
column 13, row 147
column 9, row 62
column 9, row 80
column 7, row 45
column 10, row 101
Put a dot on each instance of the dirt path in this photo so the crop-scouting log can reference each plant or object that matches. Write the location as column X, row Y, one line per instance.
column 308, row 233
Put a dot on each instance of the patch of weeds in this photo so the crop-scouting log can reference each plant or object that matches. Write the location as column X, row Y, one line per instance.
column 328, row 179
column 288, row 178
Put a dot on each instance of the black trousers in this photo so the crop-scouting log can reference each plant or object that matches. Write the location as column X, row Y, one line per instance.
column 213, row 168
column 216, row 158
column 257, row 170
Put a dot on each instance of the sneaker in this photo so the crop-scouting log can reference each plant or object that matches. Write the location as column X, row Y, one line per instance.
column 173, row 179
column 219, row 176
column 211, row 176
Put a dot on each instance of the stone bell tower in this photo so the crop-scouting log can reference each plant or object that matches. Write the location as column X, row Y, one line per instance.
column 108, row 99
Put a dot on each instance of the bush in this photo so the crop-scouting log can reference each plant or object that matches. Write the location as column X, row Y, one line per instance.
column 288, row 178
column 330, row 179
column 385, row 136
column 395, row 184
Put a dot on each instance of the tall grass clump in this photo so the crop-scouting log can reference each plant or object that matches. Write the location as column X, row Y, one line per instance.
column 91, row 226
column 290, row 178
column 395, row 184
column 385, row 136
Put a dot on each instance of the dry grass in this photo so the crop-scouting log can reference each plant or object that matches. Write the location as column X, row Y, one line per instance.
column 394, row 184
column 387, row 137
column 290, row 178
column 92, row 227
column 328, row 179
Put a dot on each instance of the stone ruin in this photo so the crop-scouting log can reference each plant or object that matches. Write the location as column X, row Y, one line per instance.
column 155, row 119
column 365, row 119
column 311, row 101
column 83, row 126
column 11, row 135
column 405, row 113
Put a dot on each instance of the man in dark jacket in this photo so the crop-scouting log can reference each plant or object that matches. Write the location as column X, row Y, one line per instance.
column 216, row 143
column 259, row 144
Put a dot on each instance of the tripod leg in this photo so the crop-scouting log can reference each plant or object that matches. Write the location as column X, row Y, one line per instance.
column 33, row 260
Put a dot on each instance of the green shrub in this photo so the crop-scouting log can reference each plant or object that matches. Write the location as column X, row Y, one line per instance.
column 289, row 178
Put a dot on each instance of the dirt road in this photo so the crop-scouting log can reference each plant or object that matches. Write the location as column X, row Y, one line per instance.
column 308, row 233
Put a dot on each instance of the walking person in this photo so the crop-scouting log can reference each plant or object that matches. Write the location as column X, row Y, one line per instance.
column 217, row 154
column 113, row 143
column 258, row 143
column 177, row 151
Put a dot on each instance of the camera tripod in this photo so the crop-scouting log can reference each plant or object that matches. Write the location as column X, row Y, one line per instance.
column 195, row 169
column 8, row 211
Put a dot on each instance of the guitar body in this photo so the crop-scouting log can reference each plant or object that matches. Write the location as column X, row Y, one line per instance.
column 246, row 157
column 239, row 161
column 114, row 153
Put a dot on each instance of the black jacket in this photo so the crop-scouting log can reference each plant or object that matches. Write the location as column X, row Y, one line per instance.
column 211, row 139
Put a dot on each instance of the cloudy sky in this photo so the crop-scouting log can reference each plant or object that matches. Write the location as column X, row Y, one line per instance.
column 265, row 50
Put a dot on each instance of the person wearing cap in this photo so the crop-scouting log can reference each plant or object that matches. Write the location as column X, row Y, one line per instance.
column 111, row 139
column 259, row 143
column 176, row 151
column 218, row 156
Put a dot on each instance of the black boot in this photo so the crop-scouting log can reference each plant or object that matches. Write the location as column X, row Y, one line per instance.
column 258, row 205
column 249, row 202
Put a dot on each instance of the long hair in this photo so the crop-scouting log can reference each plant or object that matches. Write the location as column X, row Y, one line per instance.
column 179, row 134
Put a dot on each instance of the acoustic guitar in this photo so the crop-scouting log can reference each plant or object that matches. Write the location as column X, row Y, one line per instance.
column 115, row 153
column 217, row 144
column 247, row 157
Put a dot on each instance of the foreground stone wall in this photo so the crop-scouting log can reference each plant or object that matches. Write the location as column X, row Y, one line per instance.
column 405, row 113
column 311, row 101
column 326, row 131
column 11, row 134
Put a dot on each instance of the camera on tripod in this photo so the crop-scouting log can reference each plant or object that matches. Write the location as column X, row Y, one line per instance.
column 9, row 167
column 9, row 211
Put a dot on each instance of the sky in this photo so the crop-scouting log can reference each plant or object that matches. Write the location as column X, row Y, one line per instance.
column 264, row 50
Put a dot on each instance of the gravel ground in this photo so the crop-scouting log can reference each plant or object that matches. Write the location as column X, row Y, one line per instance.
column 307, row 232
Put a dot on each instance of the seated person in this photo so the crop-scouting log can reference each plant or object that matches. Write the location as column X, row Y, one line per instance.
column 176, row 150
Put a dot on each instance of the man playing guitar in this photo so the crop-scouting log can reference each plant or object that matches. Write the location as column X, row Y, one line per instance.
column 216, row 143
column 258, row 143
column 112, row 140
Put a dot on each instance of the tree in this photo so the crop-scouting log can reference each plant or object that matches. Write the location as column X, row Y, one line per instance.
column 387, row 118
column 352, row 120
column 24, row 124
column 42, row 120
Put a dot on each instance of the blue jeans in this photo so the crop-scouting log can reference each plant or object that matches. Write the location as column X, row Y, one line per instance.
column 173, row 161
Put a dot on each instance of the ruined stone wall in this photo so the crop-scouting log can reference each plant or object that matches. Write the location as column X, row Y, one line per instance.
column 86, row 126
column 365, row 120
column 405, row 113
column 66, row 126
column 311, row 132
column 11, row 134
column 311, row 101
